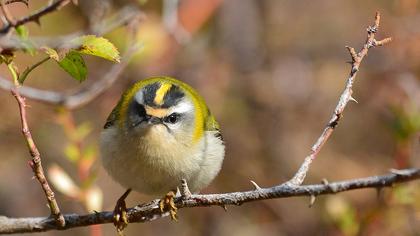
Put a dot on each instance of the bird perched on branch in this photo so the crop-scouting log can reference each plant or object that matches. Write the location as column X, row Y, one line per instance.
column 161, row 132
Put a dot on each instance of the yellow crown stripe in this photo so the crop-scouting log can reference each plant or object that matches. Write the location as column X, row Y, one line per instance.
column 160, row 93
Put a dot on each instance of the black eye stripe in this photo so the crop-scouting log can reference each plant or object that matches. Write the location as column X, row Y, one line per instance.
column 136, row 113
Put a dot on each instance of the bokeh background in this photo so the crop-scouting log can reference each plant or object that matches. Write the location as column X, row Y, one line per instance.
column 271, row 72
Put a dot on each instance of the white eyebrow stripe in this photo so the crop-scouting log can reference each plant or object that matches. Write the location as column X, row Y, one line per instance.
column 182, row 107
column 139, row 97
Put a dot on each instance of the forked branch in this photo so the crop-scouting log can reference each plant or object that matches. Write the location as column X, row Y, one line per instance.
column 345, row 98
column 150, row 211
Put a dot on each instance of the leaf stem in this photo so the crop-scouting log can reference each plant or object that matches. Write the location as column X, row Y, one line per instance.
column 28, row 70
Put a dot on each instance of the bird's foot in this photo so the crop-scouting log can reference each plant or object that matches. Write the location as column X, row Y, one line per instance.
column 120, row 213
column 167, row 203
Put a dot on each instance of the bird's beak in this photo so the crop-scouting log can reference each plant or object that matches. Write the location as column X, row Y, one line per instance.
column 153, row 120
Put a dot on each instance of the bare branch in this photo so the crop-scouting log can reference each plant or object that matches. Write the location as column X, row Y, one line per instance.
column 53, row 6
column 150, row 211
column 80, row 97
column 35, row 163
column 345, row 97
column 124, row 16
column 15, row 1
column 6, row 13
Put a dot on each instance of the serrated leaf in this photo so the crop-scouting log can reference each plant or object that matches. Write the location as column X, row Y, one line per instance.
column 97, row 46
column 74, row 64
column 51, row 53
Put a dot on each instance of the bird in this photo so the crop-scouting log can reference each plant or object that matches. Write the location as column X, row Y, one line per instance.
column 160, row 132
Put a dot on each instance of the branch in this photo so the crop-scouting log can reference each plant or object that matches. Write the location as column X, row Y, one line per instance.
column 54, row 6
column 35, row 163
column 26, row 2
column 150, row 211
column 80, row 97
column 125, row 16
column 344, row 99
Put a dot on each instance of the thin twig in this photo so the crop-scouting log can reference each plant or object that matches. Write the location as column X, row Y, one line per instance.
column 83, row 95
column 124, row 16
column 35, row 163
column 54, row 6
column 15, row 1
column 9, row 18
column 344, row 99
column 150, row 211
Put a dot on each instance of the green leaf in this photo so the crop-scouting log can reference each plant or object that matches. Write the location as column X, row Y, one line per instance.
column 74, row 64
column 97, row 46
column 22, row 32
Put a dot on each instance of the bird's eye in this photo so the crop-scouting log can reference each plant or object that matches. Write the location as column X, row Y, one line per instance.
column 172, row 118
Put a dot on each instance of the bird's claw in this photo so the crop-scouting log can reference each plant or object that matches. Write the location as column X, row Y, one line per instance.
column 167, row 203
column 120, row 213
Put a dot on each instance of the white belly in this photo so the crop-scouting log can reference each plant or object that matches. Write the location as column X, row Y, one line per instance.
column 156, row 169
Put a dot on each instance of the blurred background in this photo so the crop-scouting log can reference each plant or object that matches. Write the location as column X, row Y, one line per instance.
column 271, row 71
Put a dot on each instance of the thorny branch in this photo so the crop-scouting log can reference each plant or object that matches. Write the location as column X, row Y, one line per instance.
column 14, row 1
column 35, row 163
column 82, row 96
column 125, row 16
column 342, row 102
column 85, row 95
column 53, row 6
column 150, row 211
column 79, row 98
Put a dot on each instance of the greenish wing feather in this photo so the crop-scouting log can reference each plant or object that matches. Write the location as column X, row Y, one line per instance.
column 212, row 125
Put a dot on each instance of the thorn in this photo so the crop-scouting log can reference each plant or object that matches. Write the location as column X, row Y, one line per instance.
column 383, row 41
column 377, row 19
column 324, row 181
column 224, row 207
column 184, row 190
column 354, row 100
column 312, row 201
column 397, row 172
column 37, row 21
column 255, row 185
column 352, row 52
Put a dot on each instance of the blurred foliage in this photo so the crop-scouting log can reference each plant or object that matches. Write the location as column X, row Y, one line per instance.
column 271, row 72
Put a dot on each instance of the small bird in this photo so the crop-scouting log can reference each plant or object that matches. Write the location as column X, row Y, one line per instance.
column 160, row 132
